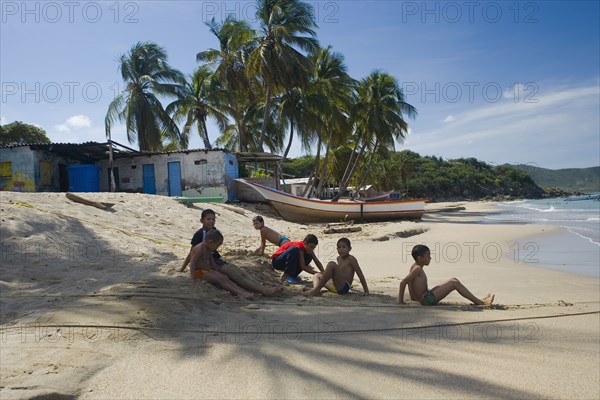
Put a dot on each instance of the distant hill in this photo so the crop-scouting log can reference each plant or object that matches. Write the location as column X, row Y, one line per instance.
column 586, row 180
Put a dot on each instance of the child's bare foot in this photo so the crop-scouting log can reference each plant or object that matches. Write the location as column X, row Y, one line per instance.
column 312, row 292
column 273, row 291
column 487, row 300
column 247, row 295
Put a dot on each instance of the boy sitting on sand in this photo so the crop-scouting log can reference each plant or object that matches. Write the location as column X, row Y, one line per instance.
column 295, row 257
column 208, row 219
column 203, row 265
column 417, row 283
column 237, row 275
column 267, row 233
column 341, row 273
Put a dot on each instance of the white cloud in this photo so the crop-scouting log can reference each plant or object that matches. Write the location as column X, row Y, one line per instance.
column 79, row 121
column 74, row 122
column 2, row 120
column 449, row 118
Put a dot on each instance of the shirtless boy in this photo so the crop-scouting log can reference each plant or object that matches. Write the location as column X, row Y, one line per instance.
column 341, row 273
column 417, row 283
column 267, row 233
column 203, row 265
column 237, row 275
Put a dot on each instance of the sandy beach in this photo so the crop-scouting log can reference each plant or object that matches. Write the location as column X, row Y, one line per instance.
column 91, row 306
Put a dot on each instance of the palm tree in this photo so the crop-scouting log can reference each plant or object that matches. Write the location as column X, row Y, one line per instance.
column 331, row 90
column 285, row 25
column 198, row 100
column 248, row 116
column 236, row 40
column 147, row 75
column 378, row 118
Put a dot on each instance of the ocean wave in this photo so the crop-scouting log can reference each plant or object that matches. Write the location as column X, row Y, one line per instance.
column 589, row 239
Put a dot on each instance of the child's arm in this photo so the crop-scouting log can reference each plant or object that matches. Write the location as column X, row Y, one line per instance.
column 186, row 261
column 405, row 281
column 263, row 242
column 305, row 267
column 360, row 274
column 317, row 262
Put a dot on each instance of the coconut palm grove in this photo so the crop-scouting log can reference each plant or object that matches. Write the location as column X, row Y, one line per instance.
column 270, row 84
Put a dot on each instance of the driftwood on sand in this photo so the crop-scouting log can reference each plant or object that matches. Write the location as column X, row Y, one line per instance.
column 341, row 227
column 79, row 199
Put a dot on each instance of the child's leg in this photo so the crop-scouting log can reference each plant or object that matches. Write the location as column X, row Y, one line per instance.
column 446, row 288
column 317, row 279
column 331, row 272
column 223, row 281
column 288, row 262
column 248, row 282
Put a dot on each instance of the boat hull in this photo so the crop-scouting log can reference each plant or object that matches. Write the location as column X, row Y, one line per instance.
column 298, row 209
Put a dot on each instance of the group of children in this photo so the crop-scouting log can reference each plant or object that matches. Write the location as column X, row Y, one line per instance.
column 292, row 258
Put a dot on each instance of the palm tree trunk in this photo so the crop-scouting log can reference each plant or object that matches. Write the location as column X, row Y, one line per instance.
column 263, row 131
column 345, row 177
column 287, row 149
column 240, row 130
column 310, row 183
column 344, row 183
column 325, row 161
column 369, row 165
column 204, row 131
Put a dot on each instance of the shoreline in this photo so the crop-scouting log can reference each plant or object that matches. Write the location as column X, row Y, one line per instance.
column 92, row 308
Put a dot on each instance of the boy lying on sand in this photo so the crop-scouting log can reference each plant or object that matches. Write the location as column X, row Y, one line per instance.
column 417, row 283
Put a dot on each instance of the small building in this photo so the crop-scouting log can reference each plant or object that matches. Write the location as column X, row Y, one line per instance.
column 295, row 186
column 43, row 167
column 62, row 167
column 187, row 173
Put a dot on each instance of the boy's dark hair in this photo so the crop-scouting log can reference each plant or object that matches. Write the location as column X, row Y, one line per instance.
column 344, row 240
column 259, row 219
column 419, row 250
column 310, row 238
column 206, row 213
column 213, row 235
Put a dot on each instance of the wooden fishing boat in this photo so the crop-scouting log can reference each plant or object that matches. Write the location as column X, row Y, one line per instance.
column 299, row 209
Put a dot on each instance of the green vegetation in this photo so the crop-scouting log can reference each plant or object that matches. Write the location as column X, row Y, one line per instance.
column 19, row 133
column 440, row 180
column 586, row 180
column 299, row 167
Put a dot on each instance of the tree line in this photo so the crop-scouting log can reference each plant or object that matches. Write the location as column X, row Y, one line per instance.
column 416, row 176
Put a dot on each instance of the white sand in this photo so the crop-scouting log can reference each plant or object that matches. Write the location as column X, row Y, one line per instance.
column 91, row 307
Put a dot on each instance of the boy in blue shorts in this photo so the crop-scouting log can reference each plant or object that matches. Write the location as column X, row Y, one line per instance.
column 417, row 283
column 294, row 257
column 338, row 276
column 267, row 233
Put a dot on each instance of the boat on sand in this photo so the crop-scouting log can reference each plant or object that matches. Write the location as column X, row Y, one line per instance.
column 299, row 209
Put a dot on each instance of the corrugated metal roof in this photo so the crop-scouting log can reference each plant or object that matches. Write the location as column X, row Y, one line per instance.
column 99, row 151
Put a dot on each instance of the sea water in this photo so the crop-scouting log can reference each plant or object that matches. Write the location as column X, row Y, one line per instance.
column 576, row 248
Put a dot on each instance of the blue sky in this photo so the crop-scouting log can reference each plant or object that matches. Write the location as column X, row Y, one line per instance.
column 504, row 82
